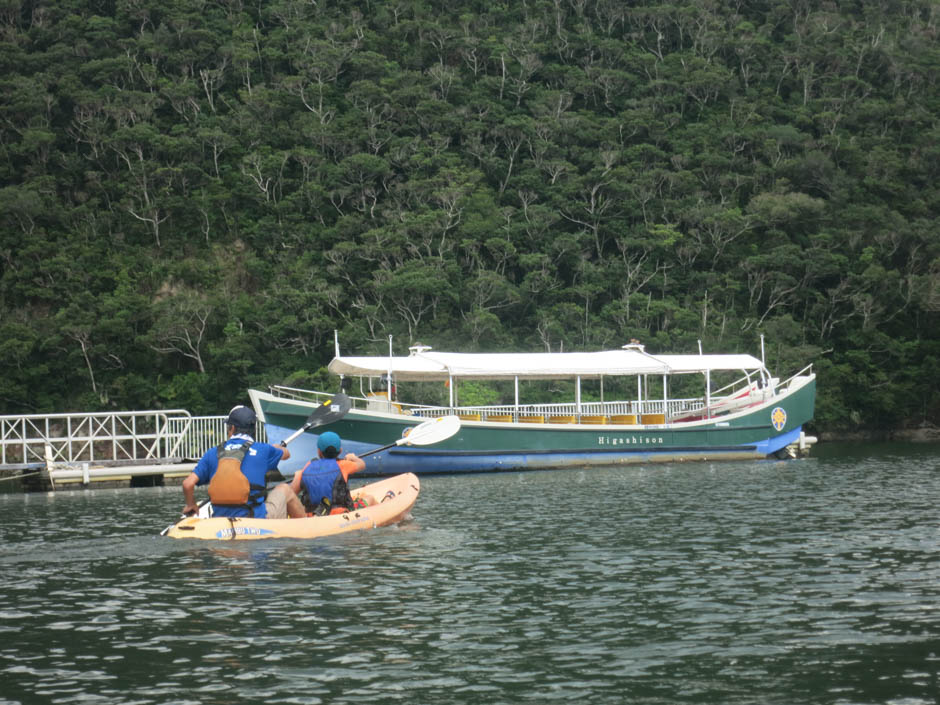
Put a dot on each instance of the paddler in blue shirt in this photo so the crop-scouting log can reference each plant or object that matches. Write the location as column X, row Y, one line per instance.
column 235, row 472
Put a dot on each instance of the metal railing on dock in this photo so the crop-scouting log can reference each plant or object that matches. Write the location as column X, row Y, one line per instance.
column 95, row 437
column 105, row 445
column 195, row 434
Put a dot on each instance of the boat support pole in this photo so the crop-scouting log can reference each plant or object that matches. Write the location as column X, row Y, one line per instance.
column 708, row 394
column 388, row 392
column 665, row 398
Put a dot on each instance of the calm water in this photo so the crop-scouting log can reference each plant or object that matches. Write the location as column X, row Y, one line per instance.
column 814, row 581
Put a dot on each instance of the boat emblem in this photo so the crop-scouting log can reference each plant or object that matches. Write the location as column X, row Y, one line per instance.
column 778, row 417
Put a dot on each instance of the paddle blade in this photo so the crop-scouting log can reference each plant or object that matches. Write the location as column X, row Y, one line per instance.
column 326, row 413
column 329, row 411
column 432, row 431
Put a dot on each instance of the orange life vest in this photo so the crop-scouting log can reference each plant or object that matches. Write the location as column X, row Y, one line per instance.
column 229, row 486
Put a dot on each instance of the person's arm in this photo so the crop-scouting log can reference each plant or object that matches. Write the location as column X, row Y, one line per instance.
column 189, row 493
column 277, row 453
column 199, row 476
column 297, row 481
column 352, row 463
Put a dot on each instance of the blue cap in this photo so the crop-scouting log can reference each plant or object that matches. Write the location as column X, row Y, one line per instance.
column 329, row 440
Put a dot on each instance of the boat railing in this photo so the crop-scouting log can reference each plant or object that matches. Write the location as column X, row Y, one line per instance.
column 741, row 384
column 738, row 395
column 376, row 402
column 589, row 412
column 735, row 387
column 799, row 376
column 566, row 412
column 298, row 393
column 642, row 412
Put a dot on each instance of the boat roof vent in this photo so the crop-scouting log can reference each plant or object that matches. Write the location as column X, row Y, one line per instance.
column 418, row 348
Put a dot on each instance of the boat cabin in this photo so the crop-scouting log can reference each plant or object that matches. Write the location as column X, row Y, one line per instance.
column 653, row 377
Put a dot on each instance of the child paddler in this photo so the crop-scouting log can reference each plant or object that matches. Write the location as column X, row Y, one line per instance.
column 325, row 479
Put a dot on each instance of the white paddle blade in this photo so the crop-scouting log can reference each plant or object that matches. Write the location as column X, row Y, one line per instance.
column 432, row 431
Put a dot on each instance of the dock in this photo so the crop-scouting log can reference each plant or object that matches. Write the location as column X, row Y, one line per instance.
column 53, row 452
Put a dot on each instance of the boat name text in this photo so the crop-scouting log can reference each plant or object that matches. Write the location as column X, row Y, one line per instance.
column 628, row 440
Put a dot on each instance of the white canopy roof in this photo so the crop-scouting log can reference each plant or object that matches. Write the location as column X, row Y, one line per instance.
column 429, row 365
column 680, row 364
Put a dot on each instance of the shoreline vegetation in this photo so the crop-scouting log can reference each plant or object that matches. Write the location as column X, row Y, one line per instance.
column 194, row 196
column 923, row 434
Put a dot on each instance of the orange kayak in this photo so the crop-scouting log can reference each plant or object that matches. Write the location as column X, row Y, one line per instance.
column 387, row 502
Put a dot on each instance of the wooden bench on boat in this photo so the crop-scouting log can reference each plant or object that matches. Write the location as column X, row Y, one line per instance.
column 623, row 419
column 652, row 419
column 593, row 419
column 561, row 419
column 532, row 419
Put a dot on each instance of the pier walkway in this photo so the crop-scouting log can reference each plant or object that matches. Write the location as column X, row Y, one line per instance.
column 142, row 448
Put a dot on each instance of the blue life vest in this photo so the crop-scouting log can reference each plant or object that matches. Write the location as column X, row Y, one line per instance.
column 323, row 480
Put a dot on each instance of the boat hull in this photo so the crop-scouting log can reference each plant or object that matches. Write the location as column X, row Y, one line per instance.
column 753, row 433
column 390, row 501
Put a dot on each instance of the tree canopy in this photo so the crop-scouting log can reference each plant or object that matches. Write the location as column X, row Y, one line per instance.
column 194, row 195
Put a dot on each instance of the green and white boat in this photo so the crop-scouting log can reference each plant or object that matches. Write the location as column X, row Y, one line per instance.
column 621, row 407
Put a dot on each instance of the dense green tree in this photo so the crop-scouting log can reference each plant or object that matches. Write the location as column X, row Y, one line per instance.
column 193, row 197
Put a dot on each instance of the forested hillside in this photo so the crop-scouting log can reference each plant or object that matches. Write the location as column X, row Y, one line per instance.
column 194, row 195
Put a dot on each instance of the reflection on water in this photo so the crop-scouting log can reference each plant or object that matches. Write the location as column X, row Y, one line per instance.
column 812, row 581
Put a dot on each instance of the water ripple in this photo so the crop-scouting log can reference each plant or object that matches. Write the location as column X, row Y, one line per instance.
column 806, row 582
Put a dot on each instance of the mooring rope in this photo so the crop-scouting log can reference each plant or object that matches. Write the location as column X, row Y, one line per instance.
column 17, row 477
